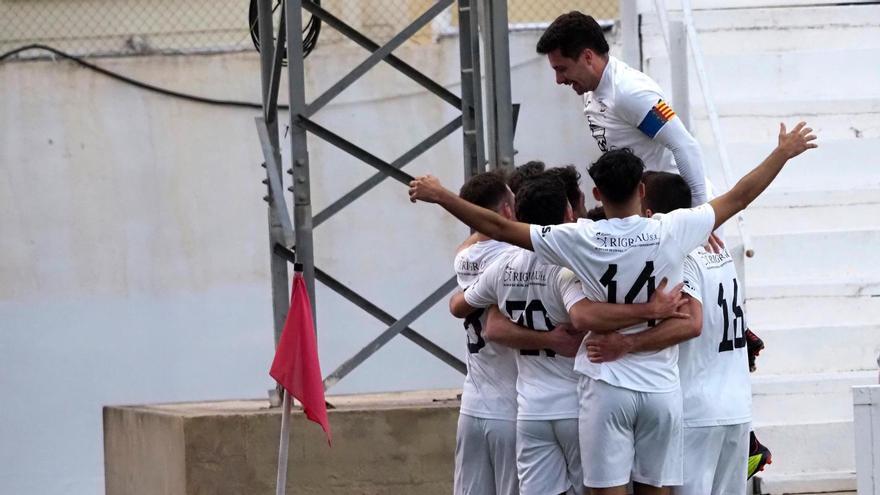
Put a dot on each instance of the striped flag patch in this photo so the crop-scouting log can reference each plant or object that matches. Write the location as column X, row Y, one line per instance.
column 654, row 120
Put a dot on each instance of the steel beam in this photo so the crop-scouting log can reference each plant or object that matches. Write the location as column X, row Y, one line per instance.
column 377, row 56
column 269, row 67
column 383, row 338
column 379, row 177
column 471, row 88
column 499, row 107
column 353, row 150
column 386, row 318
column 302, row 198
column 404, row 68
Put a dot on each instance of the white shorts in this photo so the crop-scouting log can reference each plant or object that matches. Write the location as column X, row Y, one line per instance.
column 625, row 434
column 717, row 459
column 548, row 457
column 485, row 457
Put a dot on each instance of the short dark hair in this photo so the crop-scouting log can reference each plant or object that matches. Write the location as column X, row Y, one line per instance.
column 571, row 178
column 617, row 174
column 665, row 192
column 541, row 200
column 596, row 213
column 572, row 33
column 523, row 173
column 487, row 189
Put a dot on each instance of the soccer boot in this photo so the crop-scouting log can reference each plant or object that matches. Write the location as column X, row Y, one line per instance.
column 759, row 456
column 754, row 345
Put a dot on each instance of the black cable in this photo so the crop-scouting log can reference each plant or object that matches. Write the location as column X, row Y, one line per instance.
column 135, row 82
column 311, row 31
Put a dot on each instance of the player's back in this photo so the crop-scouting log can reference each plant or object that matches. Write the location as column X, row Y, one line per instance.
column 535, row 295
column 621, row 260
column 489, row 389
column 714, row 366
column 627, row 110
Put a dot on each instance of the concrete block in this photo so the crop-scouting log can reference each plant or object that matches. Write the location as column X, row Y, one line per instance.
column 382, row 444
column 826, row 483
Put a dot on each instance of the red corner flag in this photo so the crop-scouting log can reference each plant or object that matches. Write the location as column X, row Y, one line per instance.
column 296, row 365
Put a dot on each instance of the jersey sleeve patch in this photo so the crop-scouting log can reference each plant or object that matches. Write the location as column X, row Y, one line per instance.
column 654, row 120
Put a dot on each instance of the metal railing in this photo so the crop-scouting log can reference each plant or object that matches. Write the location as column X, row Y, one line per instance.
column 677, row 49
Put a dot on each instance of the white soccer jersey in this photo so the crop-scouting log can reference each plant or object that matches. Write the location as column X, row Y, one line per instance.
column 714, row 367
column 489, row 389
column 622, row 260
column 535, row 295
column 626, row 110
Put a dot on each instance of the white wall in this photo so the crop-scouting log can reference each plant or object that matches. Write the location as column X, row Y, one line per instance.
column 133, row 240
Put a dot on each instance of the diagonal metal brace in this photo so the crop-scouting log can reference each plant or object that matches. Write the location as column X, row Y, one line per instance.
column 406, row 69
column 270, row 109
column 377, row 312
column 386, row 318
column 378, row 177
column 383, row 338
column 276, row 187
column 354, row 150
column 377, row 56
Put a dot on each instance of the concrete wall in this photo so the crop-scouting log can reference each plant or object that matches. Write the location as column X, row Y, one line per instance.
column 396, row 444
column 133, row 243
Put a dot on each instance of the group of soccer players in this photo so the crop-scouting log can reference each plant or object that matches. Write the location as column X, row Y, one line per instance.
column 606, row 348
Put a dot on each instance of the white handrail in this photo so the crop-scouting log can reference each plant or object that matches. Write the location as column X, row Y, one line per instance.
column 714, row 122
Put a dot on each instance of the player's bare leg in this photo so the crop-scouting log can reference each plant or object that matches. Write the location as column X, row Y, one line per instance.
column 614, row 490
column 643, row 489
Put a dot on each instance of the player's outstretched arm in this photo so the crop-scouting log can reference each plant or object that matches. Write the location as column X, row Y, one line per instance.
column 598, row 317
column 791, row 144
column 485, row 221
column 602, row 348
column 562, row 339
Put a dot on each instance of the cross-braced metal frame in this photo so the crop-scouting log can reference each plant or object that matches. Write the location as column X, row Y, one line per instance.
column 292, row 241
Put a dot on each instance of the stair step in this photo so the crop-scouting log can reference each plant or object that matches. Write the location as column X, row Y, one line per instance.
column 790, row 75
column 835, row 164
column 808, row 447
column 758, row 121
column 829, row 256
column 806, row 398
column 793, row 287
column 762, row 30
column 795, row 198
column 779, row 312
column 829, row 218
column 820, row 348
column 824, row 482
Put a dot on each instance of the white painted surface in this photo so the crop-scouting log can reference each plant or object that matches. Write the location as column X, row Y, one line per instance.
column 866, row 401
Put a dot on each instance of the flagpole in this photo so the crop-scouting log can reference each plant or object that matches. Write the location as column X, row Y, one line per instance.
column 281, row 481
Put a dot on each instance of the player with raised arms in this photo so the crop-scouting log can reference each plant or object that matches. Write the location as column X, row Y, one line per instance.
column 630, row 418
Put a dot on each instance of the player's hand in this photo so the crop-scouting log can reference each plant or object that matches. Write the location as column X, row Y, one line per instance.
column 565, row 340
column 797, row 141
column 426, row 188
column 607, row 347
column 666, row 304
column 714, row 244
